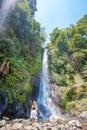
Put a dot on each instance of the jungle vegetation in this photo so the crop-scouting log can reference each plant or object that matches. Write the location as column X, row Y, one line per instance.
column 20, row 51
column 68, row 61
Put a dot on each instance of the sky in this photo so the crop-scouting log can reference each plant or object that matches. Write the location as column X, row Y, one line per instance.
column 59, row 13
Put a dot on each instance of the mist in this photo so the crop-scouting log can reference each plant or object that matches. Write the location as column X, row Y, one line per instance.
column 6, row 7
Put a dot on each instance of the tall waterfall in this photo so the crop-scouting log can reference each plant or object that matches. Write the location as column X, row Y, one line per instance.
column 44, row 88
column 45, row 103
column 44, row 81
column 6, row 7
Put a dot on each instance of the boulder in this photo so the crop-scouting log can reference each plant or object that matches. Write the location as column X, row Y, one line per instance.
column 53, row 118
column 2, row 123
column 16, row 126
column 75, row 123
column 8, row 126
column 83, row 115
column 3, row 128
column 27, row 127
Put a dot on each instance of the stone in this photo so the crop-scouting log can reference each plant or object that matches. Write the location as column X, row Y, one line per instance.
column 60, row 121
column 27, row 127
column 83, row 115
column 8, row 126
column 49, row 128
column 26, row 122
column 2, row 123
column 16, row 126
column 53, row 118
column 37, row 126
column 48, row 124
column 5, row 118
column 74, row 128
column 3, row 128
column 75, row 123
column 18, row 120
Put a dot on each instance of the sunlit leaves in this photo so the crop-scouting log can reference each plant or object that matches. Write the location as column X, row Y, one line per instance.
column 69, row 44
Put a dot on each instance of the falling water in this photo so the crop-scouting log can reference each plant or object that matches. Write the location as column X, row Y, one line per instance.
column 44, row 88
column 45, row 80
column 6, row 7
column 45, row 103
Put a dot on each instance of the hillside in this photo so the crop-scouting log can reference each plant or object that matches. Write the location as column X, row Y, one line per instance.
column 68, row 65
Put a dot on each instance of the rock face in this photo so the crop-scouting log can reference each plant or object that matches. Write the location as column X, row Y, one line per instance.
column 17, row 110
column 3, row 101
column 36, row 83
column 55, row 94
column 25, row 124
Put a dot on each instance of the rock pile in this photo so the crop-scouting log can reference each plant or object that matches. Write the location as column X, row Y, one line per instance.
column 51, row 124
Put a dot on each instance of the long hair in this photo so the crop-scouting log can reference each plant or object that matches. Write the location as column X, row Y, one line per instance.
column 34, row 104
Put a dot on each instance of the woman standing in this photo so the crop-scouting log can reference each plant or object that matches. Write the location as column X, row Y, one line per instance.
column 33, row 114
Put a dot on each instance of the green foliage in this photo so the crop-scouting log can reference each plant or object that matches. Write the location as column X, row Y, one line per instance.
column 68, row 52
column 71, row 105
column 85, row 71
column 9, row 48
column 60, row 79
column 71, row 94
column 32, row 4
column 17, row 82
column 20, row 51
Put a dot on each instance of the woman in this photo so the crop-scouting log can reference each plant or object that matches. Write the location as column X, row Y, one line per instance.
column 33, row 114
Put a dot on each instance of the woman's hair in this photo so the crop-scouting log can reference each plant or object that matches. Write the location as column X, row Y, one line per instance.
column 34, row 104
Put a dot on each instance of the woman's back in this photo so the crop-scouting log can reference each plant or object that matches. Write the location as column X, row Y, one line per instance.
column 33, row 114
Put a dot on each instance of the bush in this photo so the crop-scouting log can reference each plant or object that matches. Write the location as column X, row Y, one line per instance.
column 70, row 105
column 60, row 79
column 71, row 94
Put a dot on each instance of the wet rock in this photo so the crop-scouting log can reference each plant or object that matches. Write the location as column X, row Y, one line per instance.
column 36, row 83
column 3, row 101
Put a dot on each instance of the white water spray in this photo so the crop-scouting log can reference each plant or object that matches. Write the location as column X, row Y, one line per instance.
column 6, row 7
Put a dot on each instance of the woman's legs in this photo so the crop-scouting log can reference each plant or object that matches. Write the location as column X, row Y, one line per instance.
column 32, row 121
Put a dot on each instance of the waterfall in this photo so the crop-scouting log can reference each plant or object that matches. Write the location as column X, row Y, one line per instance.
column 45, row 103
column 44, row 81
column 44, row 88
column 6, row 7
